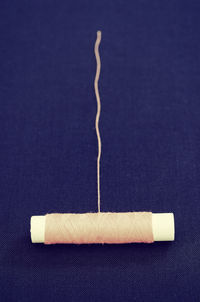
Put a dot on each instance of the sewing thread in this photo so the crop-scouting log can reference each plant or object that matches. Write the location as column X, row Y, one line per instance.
column 96, row 88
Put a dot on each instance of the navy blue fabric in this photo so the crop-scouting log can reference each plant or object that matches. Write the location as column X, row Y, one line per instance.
column 150, row 128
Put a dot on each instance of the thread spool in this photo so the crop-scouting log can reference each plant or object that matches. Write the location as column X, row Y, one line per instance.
column 102, row 228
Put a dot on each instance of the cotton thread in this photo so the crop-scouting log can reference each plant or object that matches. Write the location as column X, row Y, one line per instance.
column 99, row 228
column 96, row 88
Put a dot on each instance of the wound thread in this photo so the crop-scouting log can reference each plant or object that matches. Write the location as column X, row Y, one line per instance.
column 99, row 228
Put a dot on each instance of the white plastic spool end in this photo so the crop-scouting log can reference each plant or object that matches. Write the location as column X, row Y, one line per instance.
column 37, row 229
column 163, row 226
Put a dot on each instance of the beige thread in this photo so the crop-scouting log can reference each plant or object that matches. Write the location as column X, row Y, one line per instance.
column 96, row 51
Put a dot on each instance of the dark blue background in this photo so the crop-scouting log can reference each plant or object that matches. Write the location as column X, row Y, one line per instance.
column 150, row 127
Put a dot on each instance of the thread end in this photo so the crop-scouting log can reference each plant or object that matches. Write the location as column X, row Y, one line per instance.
column 98, row 33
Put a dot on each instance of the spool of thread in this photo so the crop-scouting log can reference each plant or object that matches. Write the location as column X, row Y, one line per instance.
column 102, row 227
